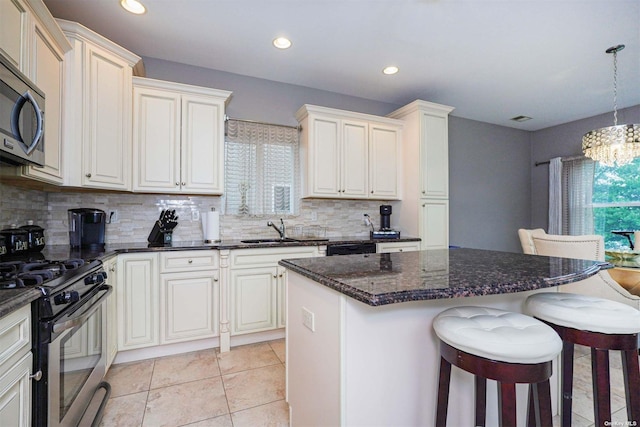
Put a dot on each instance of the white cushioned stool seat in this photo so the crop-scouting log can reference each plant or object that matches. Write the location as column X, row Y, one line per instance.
column 584, row 312
column 497, row 334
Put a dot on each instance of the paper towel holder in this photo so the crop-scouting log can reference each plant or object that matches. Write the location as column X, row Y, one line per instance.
column 204, row 226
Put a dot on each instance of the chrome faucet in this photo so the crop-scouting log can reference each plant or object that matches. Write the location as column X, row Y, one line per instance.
column 281, row 230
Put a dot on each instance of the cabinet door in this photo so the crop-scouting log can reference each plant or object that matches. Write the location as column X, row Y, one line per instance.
column 253, row 300
column 202, row 145
column 107, row 132
column 282, row 297
column 188, row 306
column 15, row 394
column 137, row 301
column 156, row 140
column 47, row 70
column 384, row 152
column 13, row 33
column 434, row 156
column 434, row 224
column 354, row 159
column 325, row 157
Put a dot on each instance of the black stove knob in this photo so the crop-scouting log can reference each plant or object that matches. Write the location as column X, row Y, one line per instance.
column 95, row 279
column 66, row 297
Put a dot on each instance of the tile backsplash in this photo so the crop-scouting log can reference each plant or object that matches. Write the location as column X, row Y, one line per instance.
column 138, row 212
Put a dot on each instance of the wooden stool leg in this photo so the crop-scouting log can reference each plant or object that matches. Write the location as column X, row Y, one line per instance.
column 443, row 393
column 481, row 401
column 507, row 404
column 601, row 387
column 539, row 410
column 567, row 383
column 631, row 372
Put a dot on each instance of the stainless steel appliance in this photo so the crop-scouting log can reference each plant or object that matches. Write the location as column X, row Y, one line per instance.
column 69, row 336
column 21, row 118
column 86, row 227
column 351, row 248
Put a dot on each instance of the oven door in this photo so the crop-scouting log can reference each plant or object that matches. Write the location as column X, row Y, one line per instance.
column 77, row 359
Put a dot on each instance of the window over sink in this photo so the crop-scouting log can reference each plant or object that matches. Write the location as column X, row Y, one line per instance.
column 261, row 169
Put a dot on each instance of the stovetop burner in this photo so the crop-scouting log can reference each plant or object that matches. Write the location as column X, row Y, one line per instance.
column 22, row 273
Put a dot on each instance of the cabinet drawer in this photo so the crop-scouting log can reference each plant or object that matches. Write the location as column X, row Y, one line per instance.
column 15, row 334
column 397, row 247
column 250, row 258
column 188, row 261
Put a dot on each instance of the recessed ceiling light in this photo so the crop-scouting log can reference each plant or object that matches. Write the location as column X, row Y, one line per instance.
column 133, row 6
column 390, row 70
column 282, row 43
column 520, row 118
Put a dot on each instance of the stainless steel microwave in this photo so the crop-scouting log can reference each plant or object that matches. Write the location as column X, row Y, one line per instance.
column 21, row 118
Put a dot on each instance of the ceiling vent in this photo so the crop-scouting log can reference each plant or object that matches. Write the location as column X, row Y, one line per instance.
column 520, row 118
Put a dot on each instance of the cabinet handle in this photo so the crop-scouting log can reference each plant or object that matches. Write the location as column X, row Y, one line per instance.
column 88, row 175
column 190, row 261
column 424, row 192
column 275, row 276
column 184, row 183
column 177, row 184
column 37, row 376
column 371, row 191
column 424, row 204
column 113, row 268
column 215, row 279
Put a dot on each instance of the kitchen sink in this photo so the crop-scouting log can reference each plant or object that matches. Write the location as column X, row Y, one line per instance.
column 286, row 239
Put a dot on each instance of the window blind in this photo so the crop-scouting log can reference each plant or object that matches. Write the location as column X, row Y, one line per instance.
column 261, row 169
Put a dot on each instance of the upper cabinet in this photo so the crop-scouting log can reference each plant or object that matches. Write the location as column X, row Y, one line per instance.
column 98, row 87
column 349, row 155
column 33, row 41
column 178, row 137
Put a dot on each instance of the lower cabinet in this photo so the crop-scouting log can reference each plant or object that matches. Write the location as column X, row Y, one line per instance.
column 434, row 223
column 257, row 294
column 16, row 363
column 167, row 298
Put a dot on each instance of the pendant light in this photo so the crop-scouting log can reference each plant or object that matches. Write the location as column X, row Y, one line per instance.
column 617, row 144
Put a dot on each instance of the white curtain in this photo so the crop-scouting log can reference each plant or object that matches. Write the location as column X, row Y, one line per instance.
column 555, row 196
column 577, row 191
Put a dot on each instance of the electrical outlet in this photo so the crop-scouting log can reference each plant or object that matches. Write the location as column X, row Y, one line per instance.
column 308, row 319
column 195, row 215
column 114, row 217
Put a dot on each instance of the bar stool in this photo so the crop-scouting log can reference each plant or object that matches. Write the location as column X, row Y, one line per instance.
column 603, row 325
column 499, row 345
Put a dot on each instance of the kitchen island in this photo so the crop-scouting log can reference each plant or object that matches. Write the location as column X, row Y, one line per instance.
column 360, row 346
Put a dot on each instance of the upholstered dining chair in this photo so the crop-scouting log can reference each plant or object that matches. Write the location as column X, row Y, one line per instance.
column 538, row 242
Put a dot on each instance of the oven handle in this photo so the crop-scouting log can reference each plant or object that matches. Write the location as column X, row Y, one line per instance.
column 79, row 316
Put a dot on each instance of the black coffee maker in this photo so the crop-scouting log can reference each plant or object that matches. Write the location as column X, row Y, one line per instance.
column 86, row 227
column 385, row 231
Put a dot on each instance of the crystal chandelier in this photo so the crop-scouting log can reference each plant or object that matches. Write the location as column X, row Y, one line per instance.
column 614, row 144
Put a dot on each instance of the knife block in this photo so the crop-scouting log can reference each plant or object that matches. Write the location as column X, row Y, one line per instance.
column 159, row 237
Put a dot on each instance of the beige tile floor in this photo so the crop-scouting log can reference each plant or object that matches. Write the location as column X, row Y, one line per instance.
column 246, row 386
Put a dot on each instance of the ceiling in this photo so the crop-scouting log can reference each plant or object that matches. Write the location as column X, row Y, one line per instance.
column 490, row 59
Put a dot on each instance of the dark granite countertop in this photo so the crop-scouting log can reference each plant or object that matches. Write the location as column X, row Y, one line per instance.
column 12, row 299
column 379, row 279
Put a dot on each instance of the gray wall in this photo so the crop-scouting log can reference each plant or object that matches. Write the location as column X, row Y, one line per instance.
column 489, row 164
column 563, row 141
column 488, row 184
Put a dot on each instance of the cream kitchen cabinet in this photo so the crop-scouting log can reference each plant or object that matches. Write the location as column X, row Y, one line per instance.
column 424, row 209
column 178, row 137
column 97, row 117
column 111, row 267
column 349, row 155
column 16, row 362
column 389, row 247
column 137, row 298
column 189, row 295
column 257, row 294
column 14, row 30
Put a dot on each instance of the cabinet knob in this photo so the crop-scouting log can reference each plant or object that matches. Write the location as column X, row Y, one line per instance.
column 177, row 184
column 424, row 204
column 37, row 376
column 424, row 192
column 371, row 191
column 190, row 261
column 215, row 279
column 88, row 175
column 275, row 276
column 184, row 183
column 113, row 268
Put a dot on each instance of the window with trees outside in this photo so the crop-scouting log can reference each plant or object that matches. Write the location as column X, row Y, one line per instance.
column 616, row 202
